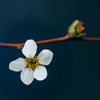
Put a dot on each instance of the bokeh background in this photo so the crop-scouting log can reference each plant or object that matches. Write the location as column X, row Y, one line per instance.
column 74, row 73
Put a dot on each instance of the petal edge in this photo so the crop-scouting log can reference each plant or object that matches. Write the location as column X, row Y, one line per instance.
column 17, row 65
column 30, row 48
column 27, row 76
column 45, row 57
column 40, row 73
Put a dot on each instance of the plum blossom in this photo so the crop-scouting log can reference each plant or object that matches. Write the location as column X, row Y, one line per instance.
column 32, row 66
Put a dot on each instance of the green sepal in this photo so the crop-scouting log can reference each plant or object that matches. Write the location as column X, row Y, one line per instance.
column 72, row 29
column 80, row 35
column 35, row 56
column 74, row 24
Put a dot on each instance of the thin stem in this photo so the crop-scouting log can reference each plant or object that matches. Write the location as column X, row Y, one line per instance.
column 61, row 39
column 87, row 39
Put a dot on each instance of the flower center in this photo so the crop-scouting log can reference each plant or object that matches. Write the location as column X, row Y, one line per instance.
column 32, row 63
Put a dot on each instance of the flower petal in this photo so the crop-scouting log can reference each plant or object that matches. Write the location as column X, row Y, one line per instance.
column 27, row 76
column 30, row 48
column 45, row 57
column 40, row 73
column 17, row 65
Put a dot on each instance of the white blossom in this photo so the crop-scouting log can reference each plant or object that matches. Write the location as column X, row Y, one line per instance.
column 32, row 66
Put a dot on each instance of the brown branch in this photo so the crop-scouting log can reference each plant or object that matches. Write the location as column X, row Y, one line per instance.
column 87, row 39
column 61, row 39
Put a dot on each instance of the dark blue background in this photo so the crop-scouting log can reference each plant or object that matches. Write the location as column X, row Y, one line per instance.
column 74, row 73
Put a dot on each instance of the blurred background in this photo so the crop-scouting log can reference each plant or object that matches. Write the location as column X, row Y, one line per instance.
column 74, row 73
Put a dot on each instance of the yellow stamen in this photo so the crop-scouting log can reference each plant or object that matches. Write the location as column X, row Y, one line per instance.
column 32, row 63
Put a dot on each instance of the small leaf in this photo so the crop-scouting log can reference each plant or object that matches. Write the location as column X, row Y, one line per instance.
column 80, row 35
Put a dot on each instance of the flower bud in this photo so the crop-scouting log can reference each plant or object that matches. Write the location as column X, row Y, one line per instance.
column 76, row 29
column 80, row 29
column 72, row 32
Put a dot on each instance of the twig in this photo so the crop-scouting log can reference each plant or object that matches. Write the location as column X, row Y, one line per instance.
column 61, row 39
